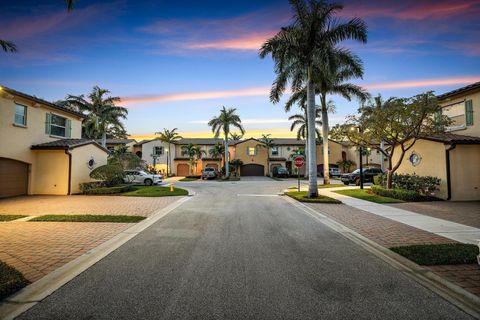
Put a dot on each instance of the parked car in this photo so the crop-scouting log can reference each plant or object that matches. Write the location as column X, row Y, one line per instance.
column 209, row 173
column 334, row 173
column 354, row 177
column 142, row 177
column 280, row 172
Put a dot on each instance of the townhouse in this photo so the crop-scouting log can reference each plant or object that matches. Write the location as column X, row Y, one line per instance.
column 454, row 156
column 41, row 149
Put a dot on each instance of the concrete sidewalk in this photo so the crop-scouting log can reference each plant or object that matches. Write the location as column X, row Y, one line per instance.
column 448, row 229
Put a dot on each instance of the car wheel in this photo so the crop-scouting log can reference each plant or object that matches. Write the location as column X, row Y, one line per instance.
column 346, row 183
column 148, row 182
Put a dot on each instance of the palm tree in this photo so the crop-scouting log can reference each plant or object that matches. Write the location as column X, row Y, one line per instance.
column 235, row 136
column 227, row 119
column 298, row 48
column 168, row 136
column 216, row 152
column 102, row 111
column 194, row 153
column 8, row 46
column 269, row 144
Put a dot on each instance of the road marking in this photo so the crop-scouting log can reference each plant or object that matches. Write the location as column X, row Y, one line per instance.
column 29, row 296
column 456, row 295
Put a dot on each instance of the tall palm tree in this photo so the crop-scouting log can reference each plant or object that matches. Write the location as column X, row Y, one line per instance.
column 102, row 111
column 222, row 123
column 297, row 48
column 168, row 136
column 194, row 154
column 268, row 143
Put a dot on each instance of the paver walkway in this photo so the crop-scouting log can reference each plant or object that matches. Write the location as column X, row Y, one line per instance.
column 37, row 248
column 78, row 204
column 444, row 228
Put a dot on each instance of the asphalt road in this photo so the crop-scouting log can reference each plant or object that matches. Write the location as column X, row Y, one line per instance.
column 228, row 253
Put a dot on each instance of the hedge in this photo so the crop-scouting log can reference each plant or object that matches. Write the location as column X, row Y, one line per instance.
column 439, row 254
column 426, row 185
column 401, row 194
column 109, row 190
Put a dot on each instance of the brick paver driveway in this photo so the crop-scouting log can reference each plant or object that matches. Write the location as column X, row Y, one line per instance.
column 78, row 204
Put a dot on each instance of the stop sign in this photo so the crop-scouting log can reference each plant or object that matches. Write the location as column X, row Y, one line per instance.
column 298, row 162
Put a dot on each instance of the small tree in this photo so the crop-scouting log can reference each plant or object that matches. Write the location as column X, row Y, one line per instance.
column 346, row 165
column 268, row 144
column 120, row 156
column 110, row 175
column 194, row 154
column 217, row 152
column 398, row 122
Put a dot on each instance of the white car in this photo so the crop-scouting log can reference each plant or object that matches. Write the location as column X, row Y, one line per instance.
column 142, row 177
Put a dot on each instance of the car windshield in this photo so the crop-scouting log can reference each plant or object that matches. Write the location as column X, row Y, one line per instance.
column 209, row 169
column 357, row 171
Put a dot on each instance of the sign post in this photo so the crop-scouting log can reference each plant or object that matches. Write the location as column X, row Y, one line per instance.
column 298, row 161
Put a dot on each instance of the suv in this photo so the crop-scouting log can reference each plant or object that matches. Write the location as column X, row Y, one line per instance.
column 141, row 177
column 354, row 177
column 209, row 173
column 334, row 173
column 280, row 172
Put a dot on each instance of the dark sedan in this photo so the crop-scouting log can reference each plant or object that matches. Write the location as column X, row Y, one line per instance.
column 354, row 177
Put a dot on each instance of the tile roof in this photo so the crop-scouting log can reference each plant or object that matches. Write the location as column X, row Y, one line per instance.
column 451, row 138
column 41, row 101
column 200, row 141
column 449, row 94
column 116, row 141
column 65, row 144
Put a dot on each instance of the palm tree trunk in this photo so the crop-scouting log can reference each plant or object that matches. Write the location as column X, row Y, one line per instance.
column 306, row 154
column 104, row 138
column 226, row 155
column 326, row 160
column 312, row 157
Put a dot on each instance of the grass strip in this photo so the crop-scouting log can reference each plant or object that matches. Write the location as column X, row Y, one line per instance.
column 302, row 197
column 87, row 218
column 365, row 194
column 156, row 191
column 188, row 179
column 8, row 217
column 438, row 254
column 11, row 280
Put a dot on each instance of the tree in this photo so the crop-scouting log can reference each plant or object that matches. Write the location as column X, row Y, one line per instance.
column 301, row 49
column 102, row 112
column 268, row 143
column 120, row 156
column 346, row 165
column 227, row 119
column 398, row 122
column 216, row 152
column 170, row 137
column 235, row 136
column 194, row 154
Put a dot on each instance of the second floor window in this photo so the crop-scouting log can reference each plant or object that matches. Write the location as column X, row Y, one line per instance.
column 58, row 126
column 274, row 151
column 158, row 151
column 251, row 151
column 20, row 115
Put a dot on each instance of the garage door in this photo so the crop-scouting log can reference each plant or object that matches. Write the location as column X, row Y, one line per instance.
column 251, row 170
column 183, row 170
column 13, row 178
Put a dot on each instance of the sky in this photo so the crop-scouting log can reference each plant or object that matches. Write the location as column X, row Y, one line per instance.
column 176, row 63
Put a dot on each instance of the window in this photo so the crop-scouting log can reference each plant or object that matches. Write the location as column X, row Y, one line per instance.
column 20, row 115
column 158, row 151
column 184, row 151
column 274, row 151
column 251, row 151
column 58, row 126
column 469, row 113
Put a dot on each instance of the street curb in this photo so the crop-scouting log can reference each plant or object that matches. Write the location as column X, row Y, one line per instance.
column 29, row 296
column 451, row 292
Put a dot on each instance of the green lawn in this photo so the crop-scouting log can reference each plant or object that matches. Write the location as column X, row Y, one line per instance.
column 302, row 197
column 11, row 280
column 155, row 191
column 438, row 254
column 188, row 179
column 325, row 186
column 88, row 218
column 367, row 195
column 10, row 217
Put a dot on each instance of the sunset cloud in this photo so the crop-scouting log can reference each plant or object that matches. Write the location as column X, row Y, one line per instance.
column 423, row 83
column 249, row 121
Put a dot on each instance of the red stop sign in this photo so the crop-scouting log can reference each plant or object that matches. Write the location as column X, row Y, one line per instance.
column 298, row 162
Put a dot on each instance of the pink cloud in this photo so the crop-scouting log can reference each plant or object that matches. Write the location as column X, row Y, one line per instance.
column 249, row 42
column 423, row 83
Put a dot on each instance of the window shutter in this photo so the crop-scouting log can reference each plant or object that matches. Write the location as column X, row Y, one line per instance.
column 469, row 112
column 68, row 134
column 48, row 122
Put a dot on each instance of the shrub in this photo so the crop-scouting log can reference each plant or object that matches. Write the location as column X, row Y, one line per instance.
column 110, row 175
column 109, row 190
column 84, row 187
column 437, row 254
column 401, row 194
column 426, row 185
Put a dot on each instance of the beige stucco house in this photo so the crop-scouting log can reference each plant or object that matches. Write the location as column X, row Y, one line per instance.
column 41, row 150
column 454, row 156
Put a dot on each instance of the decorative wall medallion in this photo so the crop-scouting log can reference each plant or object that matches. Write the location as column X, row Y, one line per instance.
column 91, row 163
column 415, row 159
